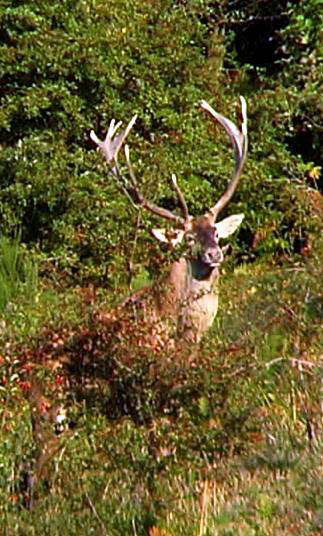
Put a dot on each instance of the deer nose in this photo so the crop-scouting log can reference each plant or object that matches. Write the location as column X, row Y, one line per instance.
column 212, row 256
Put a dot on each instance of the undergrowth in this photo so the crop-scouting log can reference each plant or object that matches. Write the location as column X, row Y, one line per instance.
column 226, row 443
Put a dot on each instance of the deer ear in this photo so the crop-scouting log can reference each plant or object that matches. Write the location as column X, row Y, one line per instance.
column 160, row 234
column 172, row 237
column 229, row 225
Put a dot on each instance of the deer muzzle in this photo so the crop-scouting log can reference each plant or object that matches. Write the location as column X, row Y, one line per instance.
column 212, row 257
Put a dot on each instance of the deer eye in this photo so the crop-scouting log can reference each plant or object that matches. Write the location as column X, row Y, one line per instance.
column 212, row 234
column 190, row 238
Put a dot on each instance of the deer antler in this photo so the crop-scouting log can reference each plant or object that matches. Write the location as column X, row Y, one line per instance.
column 110, row 148
column 181, row 199
column 239, row 141
column 113, row 142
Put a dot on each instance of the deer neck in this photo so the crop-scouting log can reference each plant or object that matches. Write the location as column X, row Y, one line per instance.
column 193, row 287
column 186, row 278
column 200, row 272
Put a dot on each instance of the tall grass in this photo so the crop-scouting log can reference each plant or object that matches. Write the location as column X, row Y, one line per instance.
column 18, row 272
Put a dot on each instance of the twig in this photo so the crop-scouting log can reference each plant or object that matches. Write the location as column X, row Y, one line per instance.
column 292, row 360
column 121, row 182
column 95, row 513
column 181, row 198
column 130, row 262
column 302, row 362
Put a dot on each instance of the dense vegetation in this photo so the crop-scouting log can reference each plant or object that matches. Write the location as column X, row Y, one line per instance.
column 67, row 67
column 228, row 446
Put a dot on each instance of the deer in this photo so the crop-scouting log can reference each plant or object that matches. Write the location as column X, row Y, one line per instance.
column 173, row 314
column 185, row 302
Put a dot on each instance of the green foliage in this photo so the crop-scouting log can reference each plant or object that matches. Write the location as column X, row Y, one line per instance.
column 67, row 67
column 18, row 272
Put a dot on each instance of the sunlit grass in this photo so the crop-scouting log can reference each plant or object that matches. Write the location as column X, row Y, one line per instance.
column 18, row 272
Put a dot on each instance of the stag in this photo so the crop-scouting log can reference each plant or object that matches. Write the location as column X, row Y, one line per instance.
column 185, row 302
column 176, row 311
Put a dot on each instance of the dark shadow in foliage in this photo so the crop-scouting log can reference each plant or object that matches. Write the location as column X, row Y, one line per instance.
column 37, row 225
column 135, row 382
column 258, row 41
column 306, row 141
column 256, row 29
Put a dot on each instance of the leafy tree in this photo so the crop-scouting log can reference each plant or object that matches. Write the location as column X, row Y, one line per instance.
column 72, row 65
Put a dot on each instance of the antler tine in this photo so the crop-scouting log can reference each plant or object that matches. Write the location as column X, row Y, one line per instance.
column 239, row 141
column 141, row 200
column 113, row 142
column 181, row 199
column 110, row 148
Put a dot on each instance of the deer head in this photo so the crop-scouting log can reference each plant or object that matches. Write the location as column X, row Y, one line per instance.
column 204, row 231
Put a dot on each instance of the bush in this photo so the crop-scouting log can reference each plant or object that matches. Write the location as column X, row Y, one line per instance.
column 70, row 66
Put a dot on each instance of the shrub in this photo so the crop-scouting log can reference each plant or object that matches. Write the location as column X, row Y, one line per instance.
column 70, row 66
